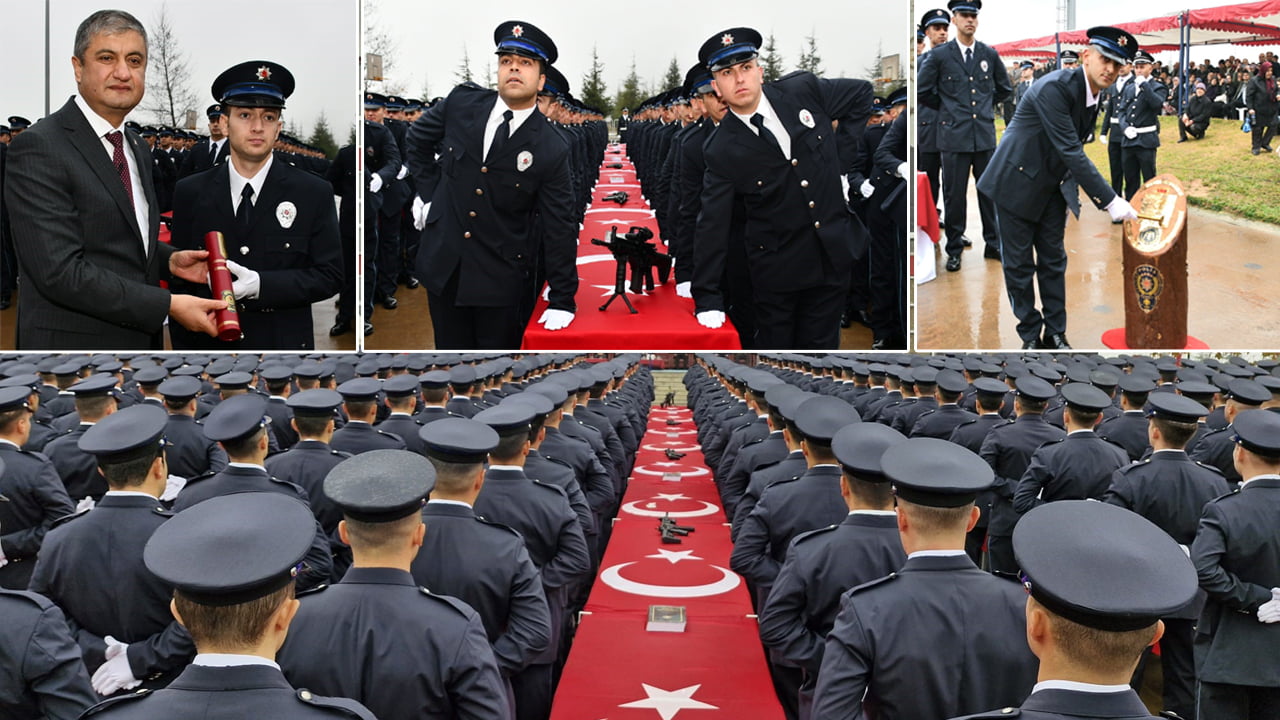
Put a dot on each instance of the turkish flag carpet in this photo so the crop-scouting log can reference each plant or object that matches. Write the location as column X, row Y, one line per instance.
column 715, row 667
column 663, row 320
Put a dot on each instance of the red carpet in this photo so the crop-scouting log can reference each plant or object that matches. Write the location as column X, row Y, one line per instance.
column 716, row 667
column 664, row 319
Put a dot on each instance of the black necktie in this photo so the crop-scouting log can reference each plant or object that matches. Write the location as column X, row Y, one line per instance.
column 500, row 137
column 758, row 121
column 968, row 55
column 213, row 153
column 244, row 211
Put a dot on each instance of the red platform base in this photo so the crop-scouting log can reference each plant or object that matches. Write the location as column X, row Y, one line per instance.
column 1114, row 339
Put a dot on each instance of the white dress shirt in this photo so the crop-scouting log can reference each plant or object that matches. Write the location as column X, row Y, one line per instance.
column 100, row 128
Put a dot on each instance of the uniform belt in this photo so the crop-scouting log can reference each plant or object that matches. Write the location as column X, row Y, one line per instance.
column 1147, row 129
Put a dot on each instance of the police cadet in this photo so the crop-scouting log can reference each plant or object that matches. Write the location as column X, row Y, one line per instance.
column 541, row 513
column 1008, row 450
column 395, row 194
column 789, row 466
column 1237, row 557
column 279, row 223
column 238, row 612
column 761, row 451
column 483, row 563
column 360, row 400
column 462, row 379
column 401, row 393
column 1034, row 179
column 1129, row 428
column 1171, row 490
column 495, row 171
column 77, row 468
column 435, row 397
column 595, row 481
column 45, row 676
column 1078, row 466
column 239, row 424
column 886, row 638
column 789, row 507
column 91, row 564
column 1099, row 581
column 934, row 24
column 190, row 452
column 34, row 497
column 821, row 565
column 1112, row 100
column 966, row 122
column 377, row 629
column 778, row 156
column 211, row 151
column 1216, row 447
column 1144, row 100
column 942, row 420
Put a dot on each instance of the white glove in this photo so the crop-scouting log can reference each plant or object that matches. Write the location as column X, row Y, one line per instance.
column 867, row 189
column 903, row 169
column 710, row 319
column 375, row 183
column 555, row 319
column 85, row 504
column 546, row 293
column 684, row 289
column 404, row 170
column 1120, row 209
column 1186, row 550
column 114, row 674
column 420, row 210
column 1141, row 80
column 1131, row 132
column 247, row 283
column 172, row 486
column 1269, row 612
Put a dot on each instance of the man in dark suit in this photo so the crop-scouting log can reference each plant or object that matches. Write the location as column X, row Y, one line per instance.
column 84, row 214
column 1041, row 149
column 964, row 80
column 279, row 223
column 775, row 152
column 211, row 151
column 500, row 166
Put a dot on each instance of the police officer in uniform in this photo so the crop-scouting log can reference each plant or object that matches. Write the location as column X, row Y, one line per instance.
column 934, row 24
column 823, row 564
column 401, row 392
column 211, row 151
column 435, row 396
column 1112, row 100
column 1216, row 448
column 239, row 424
column 1041, row 149
column 499, row 164
column 776, row 153
column 1099, row 581
column 1129, row 428
column 1078, row 466
column 378, row 629
column 1144, row 101
column 190, row 452
column 1237, row 557
column 483, row 563
column 542, row 515
column 792, row 464
column 238, row 613
column 885, row 638
column 77, row 468
column 34, row 497
column 91, row 564
column 941, row 421
column 46, row 677
column 360, row 399
column 966, row 121
column 279, row 223
column 1171, row 490
column 1008, row 450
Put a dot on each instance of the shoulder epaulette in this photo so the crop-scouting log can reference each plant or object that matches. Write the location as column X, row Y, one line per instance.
column 68, row 518
column 109, row 702
column 873, row 583
column 350, row 708
column 811, row 533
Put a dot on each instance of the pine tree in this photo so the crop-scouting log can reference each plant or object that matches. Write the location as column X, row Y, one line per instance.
column 771, row 61
column 322, row 137
column 630, row 95
column 810, row 61
column 463, row 73
column 594, row 92
column 674, row 77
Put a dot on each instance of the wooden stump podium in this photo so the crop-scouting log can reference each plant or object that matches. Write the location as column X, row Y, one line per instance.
column 1155, row 267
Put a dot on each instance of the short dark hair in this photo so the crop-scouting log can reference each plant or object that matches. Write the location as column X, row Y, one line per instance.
column 9, row 418
column 932, row 520
column 509, row 446
column 130, row 473
column 452, row 477
column 311, row 425
column 110, row 22
column 1104, row 651
column 92, row 407
column 1085, row 418
column 231, row 626
column 1177, row 434
column 434, row 395
column 244, row 445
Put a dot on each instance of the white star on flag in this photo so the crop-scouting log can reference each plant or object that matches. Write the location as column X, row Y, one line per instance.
column 674, row 556
column 669, row 702
column 669, row 496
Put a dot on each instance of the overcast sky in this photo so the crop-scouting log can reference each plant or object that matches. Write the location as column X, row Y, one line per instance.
column 429, row 36
column 315, row 39
column 1007, row 20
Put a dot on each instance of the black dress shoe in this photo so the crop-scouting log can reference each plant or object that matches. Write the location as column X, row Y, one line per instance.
column 1033, row 344
column 412, row 283
column 342, row 327
column 953, row 263
column 966, row 242
column 991, row 252
column 864, row 317
column 1056, row 341
column 1255, row 151
column 846, row 320
column 389, row 302
column 368, row 329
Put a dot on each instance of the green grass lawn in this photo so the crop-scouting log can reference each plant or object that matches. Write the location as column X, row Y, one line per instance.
column 1218, row 172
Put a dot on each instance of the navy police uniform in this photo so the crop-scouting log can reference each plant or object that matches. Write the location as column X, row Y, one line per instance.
column 44, row 675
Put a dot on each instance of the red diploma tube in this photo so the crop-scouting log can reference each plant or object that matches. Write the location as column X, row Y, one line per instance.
column 227, row 319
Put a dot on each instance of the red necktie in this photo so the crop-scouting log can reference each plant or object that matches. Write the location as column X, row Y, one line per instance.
column 116, row 138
